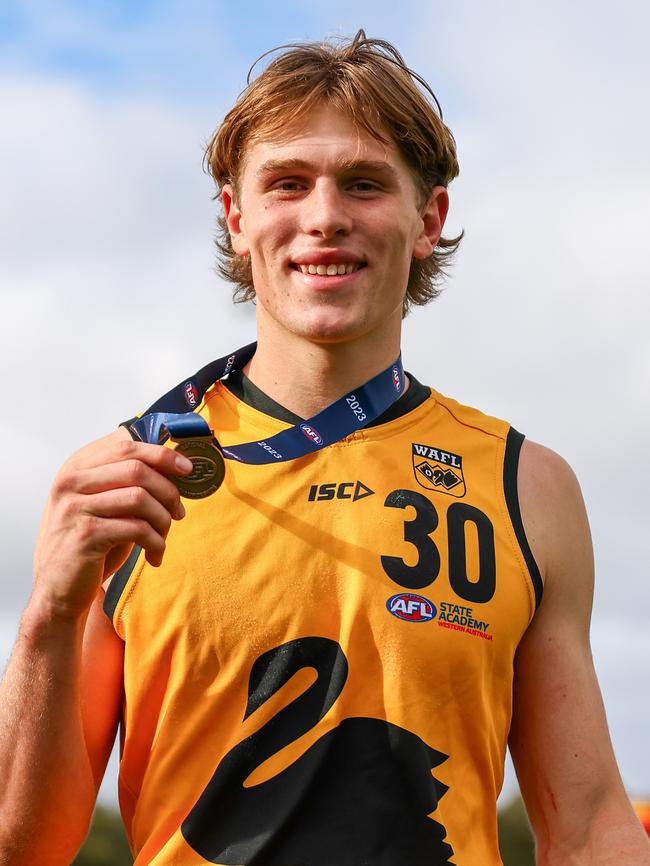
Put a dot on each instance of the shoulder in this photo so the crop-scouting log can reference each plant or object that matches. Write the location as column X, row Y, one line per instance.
column 555, row 521
column 544, row 501
column 547, row 486
column 542, row 469
column 470, row 417
column 547, row 494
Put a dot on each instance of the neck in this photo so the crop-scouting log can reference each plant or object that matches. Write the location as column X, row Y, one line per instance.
column 305, row 376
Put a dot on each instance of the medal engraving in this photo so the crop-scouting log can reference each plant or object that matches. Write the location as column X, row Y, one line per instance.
column 208, row 472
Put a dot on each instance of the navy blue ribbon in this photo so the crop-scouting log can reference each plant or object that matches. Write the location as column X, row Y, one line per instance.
column 173, row 416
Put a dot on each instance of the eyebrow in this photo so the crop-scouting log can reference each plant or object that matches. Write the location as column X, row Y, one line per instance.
column 272, row 166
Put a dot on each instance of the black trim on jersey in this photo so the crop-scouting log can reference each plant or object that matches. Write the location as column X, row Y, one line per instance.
column 510, row 467
column 118, row 584
column 241, row 386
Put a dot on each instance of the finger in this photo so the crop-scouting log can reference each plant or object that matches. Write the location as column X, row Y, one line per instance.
column 112, row 450
column 129, row 502
column 130, row 474
column 97, row 535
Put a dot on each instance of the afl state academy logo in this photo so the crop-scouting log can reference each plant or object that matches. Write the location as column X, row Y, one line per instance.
column 411, row 607
column 312, row 434
column 191, row 394
column 437, row 469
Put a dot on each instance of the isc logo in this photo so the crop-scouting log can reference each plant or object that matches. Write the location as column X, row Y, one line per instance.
column 411, row 607
column 344, row 490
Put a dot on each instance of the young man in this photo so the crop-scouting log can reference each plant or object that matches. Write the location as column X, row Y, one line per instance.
column 321, row 662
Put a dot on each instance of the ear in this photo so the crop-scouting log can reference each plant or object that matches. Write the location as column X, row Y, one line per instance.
column 234, row 220
column 433, row 215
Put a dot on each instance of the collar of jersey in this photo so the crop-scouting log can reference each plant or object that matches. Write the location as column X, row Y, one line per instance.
column 240, row 386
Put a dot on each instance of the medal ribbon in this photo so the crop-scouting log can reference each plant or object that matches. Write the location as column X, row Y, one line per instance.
column 172, row 415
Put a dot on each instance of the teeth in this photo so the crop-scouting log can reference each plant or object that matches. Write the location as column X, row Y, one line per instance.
column 329, row 270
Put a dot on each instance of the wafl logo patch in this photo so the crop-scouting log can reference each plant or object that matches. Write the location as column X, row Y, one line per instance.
column 191, row 394
column 437, row 469
column 411, row 607
column 312, row 434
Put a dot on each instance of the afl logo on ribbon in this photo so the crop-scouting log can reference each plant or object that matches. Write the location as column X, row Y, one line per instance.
column 191, row 394
column 397, row 382
column 411, row 607
column 312, row 434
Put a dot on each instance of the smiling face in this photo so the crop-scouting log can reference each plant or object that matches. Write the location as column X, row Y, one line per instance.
column 331, row 220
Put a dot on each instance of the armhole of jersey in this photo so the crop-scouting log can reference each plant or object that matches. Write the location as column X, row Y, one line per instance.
column 510, row 466
column 118, row 583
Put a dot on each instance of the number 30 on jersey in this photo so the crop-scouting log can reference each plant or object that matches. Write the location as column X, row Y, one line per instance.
column 418, row 532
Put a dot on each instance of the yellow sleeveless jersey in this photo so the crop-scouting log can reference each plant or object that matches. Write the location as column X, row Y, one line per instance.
column 320, row 673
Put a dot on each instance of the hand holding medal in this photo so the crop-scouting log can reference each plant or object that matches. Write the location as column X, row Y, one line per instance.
column 193, row 439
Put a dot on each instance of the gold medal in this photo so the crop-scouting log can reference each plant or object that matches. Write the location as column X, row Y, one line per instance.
column 209, row 467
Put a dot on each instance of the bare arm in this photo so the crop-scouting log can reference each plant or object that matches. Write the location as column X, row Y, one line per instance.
column 43, row 751
column 61, row 693
column 559, row 739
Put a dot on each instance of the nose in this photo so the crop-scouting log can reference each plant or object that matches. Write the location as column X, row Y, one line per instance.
column 324, row 213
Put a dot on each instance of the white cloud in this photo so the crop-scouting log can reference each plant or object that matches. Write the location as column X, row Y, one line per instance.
column 106, row 274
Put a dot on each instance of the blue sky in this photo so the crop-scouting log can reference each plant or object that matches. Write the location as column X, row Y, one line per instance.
column 106, row 259
column 184, row 51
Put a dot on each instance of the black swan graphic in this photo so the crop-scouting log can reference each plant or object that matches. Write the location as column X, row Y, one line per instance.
column 360, row 796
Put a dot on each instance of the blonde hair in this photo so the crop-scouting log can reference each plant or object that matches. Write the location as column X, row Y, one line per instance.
column 369, row 80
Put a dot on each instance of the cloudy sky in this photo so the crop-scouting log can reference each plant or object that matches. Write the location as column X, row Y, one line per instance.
column 106, row 262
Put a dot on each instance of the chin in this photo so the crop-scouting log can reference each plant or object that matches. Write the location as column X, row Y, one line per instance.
column 329, row 329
